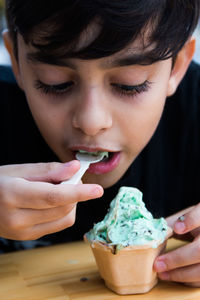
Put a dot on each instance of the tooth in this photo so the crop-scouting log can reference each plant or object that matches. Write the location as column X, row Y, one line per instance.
column 104, row 153
column 93, row 153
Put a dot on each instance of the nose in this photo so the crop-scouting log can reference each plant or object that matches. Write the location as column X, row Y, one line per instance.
column 92, row 113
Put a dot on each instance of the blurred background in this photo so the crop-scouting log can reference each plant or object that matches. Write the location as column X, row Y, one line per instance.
column 4, row 58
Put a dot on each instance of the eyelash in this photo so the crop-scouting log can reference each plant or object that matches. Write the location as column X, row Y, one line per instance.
column 55, row 90
column 131, row 90
column 64, row 88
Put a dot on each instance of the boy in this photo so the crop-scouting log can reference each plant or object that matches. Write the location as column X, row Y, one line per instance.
column 94, row 75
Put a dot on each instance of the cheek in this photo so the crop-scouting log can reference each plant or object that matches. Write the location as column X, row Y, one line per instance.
column 50, row 118
column 141, row 119
column 52, row 123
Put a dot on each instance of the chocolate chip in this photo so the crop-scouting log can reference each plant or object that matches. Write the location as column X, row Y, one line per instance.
column 181, row 218
column 83, row 279
column 114, row 250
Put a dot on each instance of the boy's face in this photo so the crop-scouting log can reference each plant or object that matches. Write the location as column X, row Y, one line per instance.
column 96, row 105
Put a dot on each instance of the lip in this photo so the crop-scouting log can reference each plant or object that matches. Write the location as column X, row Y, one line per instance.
column 101, row 167
column 91, row 149
column 105, row 166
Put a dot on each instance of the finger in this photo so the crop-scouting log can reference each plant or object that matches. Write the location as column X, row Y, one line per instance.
column 40, row 195
column 40, row 230
column 48, row 172
column 193, row 284
column 55, row 172
column 30, row 217
column 189, row 221
column 190, row 274
column 173, row 218
column 196, row 233
column 183, row 256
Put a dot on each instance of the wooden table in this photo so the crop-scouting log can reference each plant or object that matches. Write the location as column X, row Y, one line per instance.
column 69, row 271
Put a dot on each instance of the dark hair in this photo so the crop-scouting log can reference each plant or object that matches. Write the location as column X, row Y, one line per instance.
column 54, row 27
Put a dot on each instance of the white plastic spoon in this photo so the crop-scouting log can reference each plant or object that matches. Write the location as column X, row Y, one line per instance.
column 85, row 159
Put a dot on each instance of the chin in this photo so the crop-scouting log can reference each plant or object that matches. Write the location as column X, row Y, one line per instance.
column 105, row 180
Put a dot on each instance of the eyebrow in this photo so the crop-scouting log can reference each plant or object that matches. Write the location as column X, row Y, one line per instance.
column 133, row 59
column 36, row 58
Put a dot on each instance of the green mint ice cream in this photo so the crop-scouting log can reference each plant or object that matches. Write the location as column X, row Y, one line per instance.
column 128, row 222
column 96, row 153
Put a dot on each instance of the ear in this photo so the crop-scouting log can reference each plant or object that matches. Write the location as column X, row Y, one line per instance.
column 8, row 42
column 181, row 65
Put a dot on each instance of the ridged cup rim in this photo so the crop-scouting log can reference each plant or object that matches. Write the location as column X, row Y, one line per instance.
column 107, row 247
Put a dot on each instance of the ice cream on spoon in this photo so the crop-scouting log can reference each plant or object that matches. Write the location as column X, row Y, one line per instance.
column 85, row 158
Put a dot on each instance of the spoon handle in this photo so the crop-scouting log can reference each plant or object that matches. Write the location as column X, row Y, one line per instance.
column 77, row 177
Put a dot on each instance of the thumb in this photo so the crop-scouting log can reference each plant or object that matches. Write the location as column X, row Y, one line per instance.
column 53, row 172
column 173, row 218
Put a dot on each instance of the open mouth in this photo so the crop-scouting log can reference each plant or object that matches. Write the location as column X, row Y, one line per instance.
column 109, row 162
column 103, row 154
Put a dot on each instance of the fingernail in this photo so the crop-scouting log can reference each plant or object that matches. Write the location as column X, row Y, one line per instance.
column 179, row 227
column 164, row 276
column 69, row 164
column 97, row 191
column 160, row 266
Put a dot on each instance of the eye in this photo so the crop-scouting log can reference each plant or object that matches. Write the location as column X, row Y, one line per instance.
column 131, row 90
column 55, row 90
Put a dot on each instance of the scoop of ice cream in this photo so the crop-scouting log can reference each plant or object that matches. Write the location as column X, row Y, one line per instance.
column 128, row 222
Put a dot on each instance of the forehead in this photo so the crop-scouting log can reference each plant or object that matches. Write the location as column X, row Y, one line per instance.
column 92, row 38
column 93, row 30
column 136, row 53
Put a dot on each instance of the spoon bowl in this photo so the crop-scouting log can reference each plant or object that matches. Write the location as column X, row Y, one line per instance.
column 85, row 160
column 91, row 158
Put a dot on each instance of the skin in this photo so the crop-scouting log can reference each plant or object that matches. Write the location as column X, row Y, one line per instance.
column 91, row 114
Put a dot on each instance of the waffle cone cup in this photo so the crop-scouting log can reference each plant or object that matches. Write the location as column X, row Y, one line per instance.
column 130, row 270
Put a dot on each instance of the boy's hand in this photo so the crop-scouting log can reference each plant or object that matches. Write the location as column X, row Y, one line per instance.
column 33, row 204
column 183, row 264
